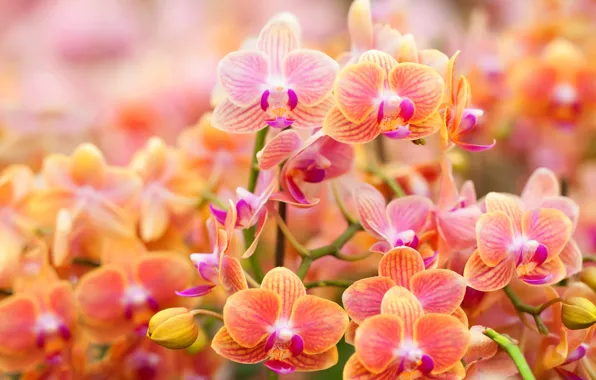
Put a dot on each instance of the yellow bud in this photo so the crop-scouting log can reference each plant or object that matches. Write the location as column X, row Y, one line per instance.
column 588, row 277
column 173, row 328
column 578, row 313
column 199, row 343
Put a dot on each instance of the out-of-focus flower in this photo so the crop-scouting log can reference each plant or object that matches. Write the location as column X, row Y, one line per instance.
column 279, row 84
column 379, row 95
column 588, row 277
column 280, row 323
column 484, row 360
column 173, row 328
column 578, row 313
column 399, row 223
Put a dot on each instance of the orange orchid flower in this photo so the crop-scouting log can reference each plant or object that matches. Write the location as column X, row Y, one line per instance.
column 281, row 324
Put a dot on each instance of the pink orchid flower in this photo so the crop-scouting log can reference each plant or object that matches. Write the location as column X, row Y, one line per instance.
column 399, row 223
column 217, row 267
column 281, row 324
column 278, row 84
column 379, row 95
column 513, row 242
column 309, row 163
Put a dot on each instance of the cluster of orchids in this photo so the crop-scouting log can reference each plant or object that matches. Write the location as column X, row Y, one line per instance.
column 159, row 270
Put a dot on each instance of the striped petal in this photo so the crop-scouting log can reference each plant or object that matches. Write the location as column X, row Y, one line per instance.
column 481, row 347
column 99, row 295
column 320, row 322
column 337, row 126
column 154, row 219
column 401, row 303
column 443, row 338
column 231, row 275
column 508, row 204
column 261, row 221
column 566, row 205
column 350, row 334
column 287, row 285
column 386, row 61
column 62, row 302
column 421, row 84
column 409, row 213
column 163, row 274
column 571, row 256
column 279, row 148
column 542, row 183
column 427, row 127
column 360, row 25
column 306, row 117
column 310, row 74
column 548, row 273
column 363, row 298
column 354, row 370
column 316, row 362
column 235, row 119
column 484, row 278
column 461, row 316
column 226, row 346
column 438, row 290
column 495, row 234
column 370, row 205
column 400, row 265
column 376, row 340
column 18, row 316
column 276, row 40
column 549, row 227
column 242, row 74
column 250, row 314
column 458, row 227
column 356, row 88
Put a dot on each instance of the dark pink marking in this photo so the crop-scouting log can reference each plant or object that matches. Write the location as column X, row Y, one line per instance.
column 429, row 261
column 426, row 364
column 292, row 99
column 279, row 367
column 296, row 345
column 265, row 100
column 220, row 215
column 406, row 109
column 271, row 341
column 196, row 291
column 540, row 255
column 381, row 112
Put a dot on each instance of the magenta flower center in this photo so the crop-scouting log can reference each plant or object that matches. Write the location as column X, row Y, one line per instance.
column 278, row 102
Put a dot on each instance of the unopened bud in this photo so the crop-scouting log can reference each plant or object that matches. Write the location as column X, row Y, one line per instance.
column 588, row 277
column 578, row 313
column 173, row 328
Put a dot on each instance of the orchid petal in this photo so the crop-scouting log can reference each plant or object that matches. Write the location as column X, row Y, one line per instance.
column 548, row 227
column 235, row 119
column 354, row 370
column 438, row 290
column 495, row 235
column 376, row 340
column 363, row 298
column 510, row 205
column 461, row 315
column 62, row 302
column 99, row 295
column 481, row 347
column 484, row 278
column 337, row 126
column 571, row 256
column 566, row 205
column 400, row 302
column 287, row 285
column 154, row 219
column 88, row 165
column 409, row 213
column 310, row 74
column 18, row 315
column 426, row 127
column 356, row 89
column 279, row 366
column 226, row 346
column 276, row 40
column 261, row 221
column 231, row 275
column 317, row 362
column 242, row 74
column 370, row 204
column 548, row 273
column 196, row 291
column 386, row 61
column 163, row 274
column 458, row 227
column 350, row 334
column 360, row 25
column 474, row 147
column 279, row 148
column 306, row 117
column 400, row 265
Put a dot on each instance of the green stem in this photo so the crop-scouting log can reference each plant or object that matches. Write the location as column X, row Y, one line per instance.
column 534, row 311
column 324, row 283
column 283, row 227
column 271, row 375
column 589, row 259
column 392, row 183
column 280, row 243
column 303, row 268
column 341, row 204
column 249, row 238
column 513, row 351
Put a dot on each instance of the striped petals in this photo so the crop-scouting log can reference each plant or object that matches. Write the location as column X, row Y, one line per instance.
column 306, row 117
column 163, row 274
column 276, row 40
column 17, row 318
column 541, row 184
column 443, row 338
column 548, row 273
column 510, row 205
column 320, row 322
column 235, row 119
column 279, row 148
column 549, row 227
column 409, row 213
column 261, row 221
column 458, row 227
column 363, row 298
column 242, row 75
column 438, row 290
column 421, row 84
column 566, row 205
column 495, row 234
column 249, row 314
column 99, row 293
column 317, row 362
column 484, row 278
column 231, row 275
column 356, row 89
column 426, row 127
column 287, row 285
column 360, row 25
column 386, row 61
column 571, row 256
column 354, row 370
column 371, row 210
column 310, row 74
column 226, row 346
column 400, row 265
column 337, row 126
column 402, row 303
column 376, row 340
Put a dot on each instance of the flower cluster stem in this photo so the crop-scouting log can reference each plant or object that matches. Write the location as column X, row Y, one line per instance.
column 392, row 183
column 534, row 311
column 327, row 283
column 513, row 351
column 207, row 312
column 280, row 244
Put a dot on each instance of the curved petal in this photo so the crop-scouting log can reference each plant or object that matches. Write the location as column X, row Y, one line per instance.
column 316, row 362
column 548, row 273
column 227, row 347
column 235, row 119
column 400, row 264
column 360, row 25
column 384, row 60
column 484, row 278
column 337, row 126
column 356, row 88
column 364, row 297
column 495, row 234
column 99, row 294
column 287, row 285
column 196, row 291
column 475, row 147
column 154, row 219
column 376, row 340
column 350, row 334
column 443, row 338
column 87, row 165
column 231, row 275
column 18, row 315
column 250, row 314
column 276, row 40
column 62, row 302
column 163, row 274
column 311, row 117
column 571, row 256
column 354, row 370
column 279, row 148
column 481, row 347
column 403, row 304
column 320, row 322
column 421, row 84
column 340, row 155
column 458, row 227
column 461, row 316
column 566, row 205
column 261, row 221
column 438, row 290
column 426, row 127
column 242, row 74
column 508, row 204
column 541, row 184
column 409, row 213
column 370, row 205
column 310, row 74
column 549, row 227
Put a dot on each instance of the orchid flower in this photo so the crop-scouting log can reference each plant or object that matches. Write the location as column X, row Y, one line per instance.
column 404, row 342
column 281, row 325
column 513, row 242
column 277, row 85
column 399, row 223
column 170, row 187
column 379, row 95
column 119, row 298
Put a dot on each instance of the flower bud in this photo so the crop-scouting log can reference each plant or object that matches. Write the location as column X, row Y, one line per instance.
column 199, row 344
column 588, row 277
column 578, row 313
column 173, row 328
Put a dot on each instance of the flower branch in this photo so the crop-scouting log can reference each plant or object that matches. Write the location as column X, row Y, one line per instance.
column 328, row 283
column 513, row 351
column 534, row 311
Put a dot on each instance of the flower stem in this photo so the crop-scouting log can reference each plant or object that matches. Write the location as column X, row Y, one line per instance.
column 589, row 259
column 392, row 183
column 271, row 375
column 341, row 204
column 280, row 243
column 534, row 311
column 251, row 281
column 207, row 312
column 323, row 283
column 513, row 351
column 283, row 227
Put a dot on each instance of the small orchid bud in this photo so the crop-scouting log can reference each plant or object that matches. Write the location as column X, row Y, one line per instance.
column 173, row 328
column 199, row 344
column 578, row 313
column 588, row 277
